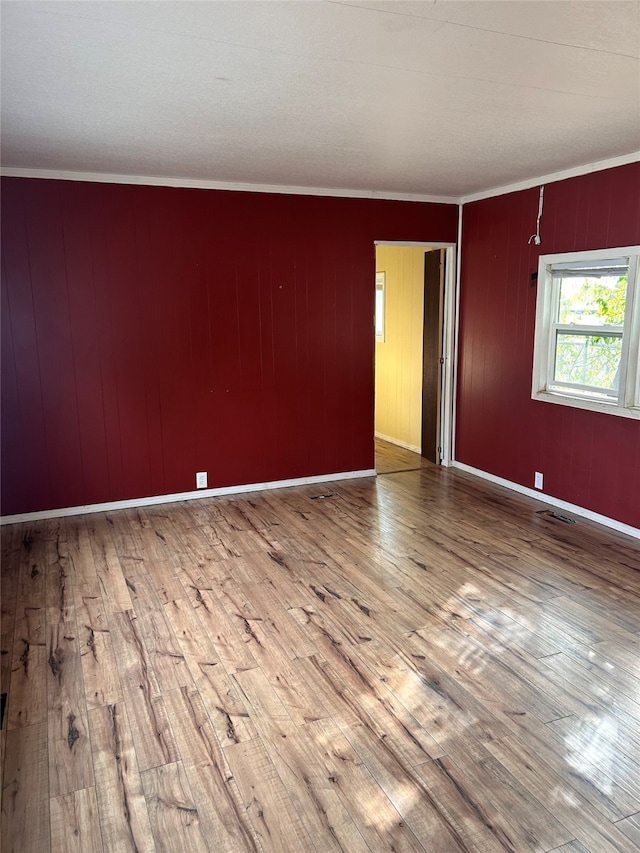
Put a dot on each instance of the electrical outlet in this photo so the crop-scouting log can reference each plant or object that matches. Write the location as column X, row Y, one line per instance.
column 538, row 480
column 201, row 480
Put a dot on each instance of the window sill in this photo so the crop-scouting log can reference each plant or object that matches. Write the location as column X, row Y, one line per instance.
column 589, row 405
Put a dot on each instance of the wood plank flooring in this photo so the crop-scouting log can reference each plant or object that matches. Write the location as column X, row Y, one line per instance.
column 417, row 662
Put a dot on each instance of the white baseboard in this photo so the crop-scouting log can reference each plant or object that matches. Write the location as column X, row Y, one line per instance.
column 185, row 496
column 549, row 499
column 399, row 443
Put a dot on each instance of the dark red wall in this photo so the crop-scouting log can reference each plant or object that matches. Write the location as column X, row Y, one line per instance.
column 150, row 332
column 587, row 458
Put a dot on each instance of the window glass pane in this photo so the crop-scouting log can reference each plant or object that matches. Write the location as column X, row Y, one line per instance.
column 588, row 360
column 593, row 301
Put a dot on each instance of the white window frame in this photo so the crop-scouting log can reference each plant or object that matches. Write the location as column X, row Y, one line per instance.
column 627, row 403
column 381, row 287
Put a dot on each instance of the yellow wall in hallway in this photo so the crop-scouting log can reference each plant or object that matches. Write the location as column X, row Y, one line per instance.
column 398, row 413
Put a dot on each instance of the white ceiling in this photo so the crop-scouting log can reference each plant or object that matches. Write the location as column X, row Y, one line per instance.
column 432, row 98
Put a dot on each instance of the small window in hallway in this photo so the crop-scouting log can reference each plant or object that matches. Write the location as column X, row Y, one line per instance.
column 380, row 296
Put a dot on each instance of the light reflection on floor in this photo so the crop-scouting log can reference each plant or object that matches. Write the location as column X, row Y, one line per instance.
column 590, row 750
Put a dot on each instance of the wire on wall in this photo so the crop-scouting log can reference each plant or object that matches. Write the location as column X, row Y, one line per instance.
column 535, row 238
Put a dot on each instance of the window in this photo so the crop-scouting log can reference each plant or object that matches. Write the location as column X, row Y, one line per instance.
column 380, row 297
column 587, row 340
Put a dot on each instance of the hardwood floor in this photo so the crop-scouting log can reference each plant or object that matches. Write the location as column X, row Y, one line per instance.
column 390, row 458
column 419, row 662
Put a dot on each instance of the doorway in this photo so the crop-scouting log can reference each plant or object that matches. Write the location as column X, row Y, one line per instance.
column 414, row 352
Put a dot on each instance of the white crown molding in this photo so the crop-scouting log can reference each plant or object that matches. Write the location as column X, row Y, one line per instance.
column 195, row 183
column 334, row 192
column 549, row 499
column 575, row 172
column 185, row 496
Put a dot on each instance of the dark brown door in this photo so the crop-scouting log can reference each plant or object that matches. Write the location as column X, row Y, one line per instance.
column 431, row 353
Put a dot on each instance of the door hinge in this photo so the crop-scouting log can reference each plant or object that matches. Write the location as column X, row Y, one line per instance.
column 441, row 360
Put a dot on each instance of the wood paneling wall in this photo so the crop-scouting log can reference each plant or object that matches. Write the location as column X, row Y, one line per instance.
column 587, row 458
column 152, row 332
